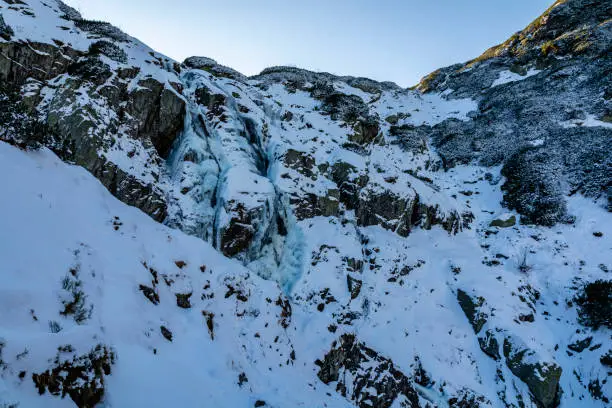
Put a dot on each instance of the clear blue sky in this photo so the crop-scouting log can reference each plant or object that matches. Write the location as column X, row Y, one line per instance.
column 395, row 40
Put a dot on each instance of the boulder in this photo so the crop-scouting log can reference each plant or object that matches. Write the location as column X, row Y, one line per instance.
column 541, row 376
column 505, row 221
column 472, row 307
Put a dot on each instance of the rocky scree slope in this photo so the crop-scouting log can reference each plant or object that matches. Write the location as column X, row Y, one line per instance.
column 392, row 273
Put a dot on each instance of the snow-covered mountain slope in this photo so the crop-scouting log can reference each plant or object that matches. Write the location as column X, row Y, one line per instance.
column 440, row 246
column 100, row 273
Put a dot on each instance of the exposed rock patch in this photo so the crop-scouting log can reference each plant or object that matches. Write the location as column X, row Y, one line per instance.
column 79, row 377
column 6, row 32
column 542, row 377
column 378, row 386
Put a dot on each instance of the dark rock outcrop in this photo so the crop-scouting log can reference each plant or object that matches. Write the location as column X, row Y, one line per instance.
column 533, row 122
column 542, row 377
column 489, row 344
column 19, row 61
column 377, row 206
column 533, row 188
column 182, row 300
column 580, row 345
column 350, row 181
column 237, row 236
column 297, row 78
column 19, row 127
column 366, row 131
column 79, row 377
column 68, row 13
column 214, row 102
column 354, row 286
column 6, row 32
column 468, row 399
column 503, row 222
column 606, row 359
column 378, row 386
column 308, row 205
column 132, row 191
column 350, row 109
column 300, row 162
column 101, row 29
column 160, row 114
column 153, row 113
column 471, row 306
column 110, row 50
column 149, row 293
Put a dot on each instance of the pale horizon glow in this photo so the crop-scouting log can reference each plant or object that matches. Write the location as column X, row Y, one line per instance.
column 392, row 40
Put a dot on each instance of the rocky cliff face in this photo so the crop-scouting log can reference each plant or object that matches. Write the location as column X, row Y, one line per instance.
column 375, row 209
column 104, row 94
column 544, row 110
